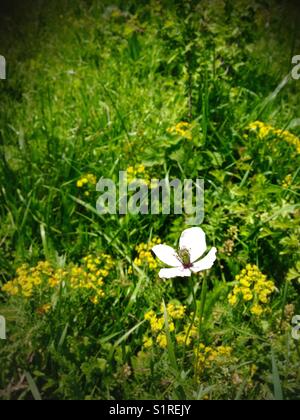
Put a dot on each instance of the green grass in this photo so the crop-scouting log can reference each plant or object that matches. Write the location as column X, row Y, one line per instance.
column 92, row 89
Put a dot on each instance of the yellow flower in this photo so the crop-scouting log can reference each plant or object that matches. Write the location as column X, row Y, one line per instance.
column 162, row 340
column 147, row 342
column 134, row 173
column 254, row 369
column 149, row 315
column 247, row 295
column 287, row 182
column 86, row 180
column 245, row 282
column 174, row 310
column 264, row 130
column 182, row 339
column 263, row 298
column 141, row 169
column 91, row 179
column 224, row 351
column 256, row 310
column 95, row 300
column 145, row 256
column 157, row 324
column 44, row 309
column 185, row 337
column 232, row 299
column 41, row 278
column 250, row 285
column 171, row 327
column 183, row 129
column 208, row 356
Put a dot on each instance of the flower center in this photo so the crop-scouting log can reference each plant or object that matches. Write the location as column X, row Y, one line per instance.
column 185, row 258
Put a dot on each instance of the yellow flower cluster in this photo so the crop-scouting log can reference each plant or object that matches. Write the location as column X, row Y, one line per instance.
column 28, row 279
column 147, row 342
column 138, row 173
column 264, row 130
column 58, row 277
column 101, row 265
column 145, row 256
column 90, row 277
column 287, row 182
column 175, row 311
column 185, row 337
column 183, row 129
column 44, row 309
column 96, row 270
column 157, row 323
column 252, row 285
column 87, row 181
column 206, row 356
column 136, row 170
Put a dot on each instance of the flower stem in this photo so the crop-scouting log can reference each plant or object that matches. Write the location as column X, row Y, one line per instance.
column 202, row 304
column 192, row 291
column 200, row 317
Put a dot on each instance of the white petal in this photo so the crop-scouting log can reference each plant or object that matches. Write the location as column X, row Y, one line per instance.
column 193, row 240
column 167, row 255
column 169, row 273
column 206, row 262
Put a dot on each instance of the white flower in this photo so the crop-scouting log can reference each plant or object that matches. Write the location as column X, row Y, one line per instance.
column 192, row 246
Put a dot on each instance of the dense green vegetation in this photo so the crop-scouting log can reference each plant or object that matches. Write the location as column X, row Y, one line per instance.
column 163, row 89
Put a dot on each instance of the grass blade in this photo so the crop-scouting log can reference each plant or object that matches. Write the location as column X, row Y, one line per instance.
column 278, row 394
column 33, row 388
